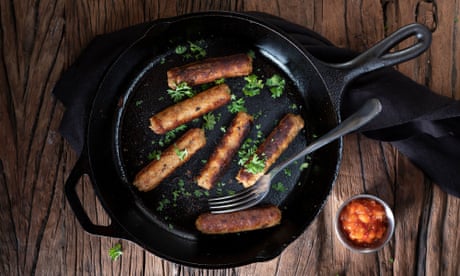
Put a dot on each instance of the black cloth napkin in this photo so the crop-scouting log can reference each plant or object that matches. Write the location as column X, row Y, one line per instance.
column 422, row 125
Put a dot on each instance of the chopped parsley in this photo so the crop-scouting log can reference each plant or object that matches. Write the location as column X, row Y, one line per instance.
column 252, row 54
column 181, row 91
column 304, row 166
column 171, row 135
column 197, row 49
column 182, row 154
column 220, row 81
column 139, row 102
column 253, row 85
column 236, row 105
column 255, row 164
column 247, row 149
column 192, row 50
column 276, row 85
column 115, row 252
column 210, row 121
column 287, row 172
column 180, row 49
column 162, row 204
column 154, row 155
column 279, row 187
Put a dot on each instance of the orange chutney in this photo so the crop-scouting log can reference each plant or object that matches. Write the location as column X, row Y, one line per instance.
column 364, row 222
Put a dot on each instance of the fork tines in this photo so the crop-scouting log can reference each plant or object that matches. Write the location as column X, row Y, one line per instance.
column 235, row 202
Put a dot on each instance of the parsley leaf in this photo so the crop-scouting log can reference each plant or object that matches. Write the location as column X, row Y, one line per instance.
column 236, row 105
column 181, row 91
column 182, row 154
column 279, row 186
column 276, row 84
column 210, row 121
column 180, row 49
column 247, row 149
column 154, row 155
column 115, row 252
column 197, row 50
column 171, row 135
column 255, row 164
column 253, row 85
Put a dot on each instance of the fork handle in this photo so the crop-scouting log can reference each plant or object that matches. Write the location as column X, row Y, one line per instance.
column 367, row 112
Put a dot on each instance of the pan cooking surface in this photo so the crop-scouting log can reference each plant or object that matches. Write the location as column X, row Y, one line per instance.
column 177, row 201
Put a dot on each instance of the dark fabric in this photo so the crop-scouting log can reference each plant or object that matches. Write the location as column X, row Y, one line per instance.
column 421, row 124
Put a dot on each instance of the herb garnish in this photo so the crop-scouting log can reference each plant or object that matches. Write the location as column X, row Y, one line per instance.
column 247, row 149
column 197, row 49
column 255, row 164
column 162, row 204
column 236, row 105
column 210, row 121
column 154, row 155
column 304, row 165
column 171, row 135
column 253, row 85
column 181, row 91
column 287, row 172
column 220, row 81
column 193, row 50
column 115, row 252
column 180, row 49
column 279, row 187
column 252, row 54
column 181, row 153
column 276, row 84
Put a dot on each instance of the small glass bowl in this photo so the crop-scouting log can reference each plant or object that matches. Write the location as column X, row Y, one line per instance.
column 342, row 236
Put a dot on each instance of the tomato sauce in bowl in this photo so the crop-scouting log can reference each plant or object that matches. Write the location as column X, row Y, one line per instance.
column 364, row 223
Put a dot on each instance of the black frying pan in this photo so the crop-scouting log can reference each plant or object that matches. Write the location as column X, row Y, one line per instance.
column 119, row 140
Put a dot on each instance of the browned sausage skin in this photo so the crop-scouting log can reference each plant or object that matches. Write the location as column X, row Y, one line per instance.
column 157, row 170
column 225, row 150
column 246, row 220
column 273, row 146
column 210, row 69
column 189, row 109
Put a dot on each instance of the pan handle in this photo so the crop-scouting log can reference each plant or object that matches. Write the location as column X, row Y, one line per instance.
column 111, row 230
column 376, row 57
column 381, row 54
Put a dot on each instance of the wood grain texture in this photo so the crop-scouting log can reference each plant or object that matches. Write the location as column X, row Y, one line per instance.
column 39, row 234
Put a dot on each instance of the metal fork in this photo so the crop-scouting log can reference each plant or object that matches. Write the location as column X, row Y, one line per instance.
column 254, row 194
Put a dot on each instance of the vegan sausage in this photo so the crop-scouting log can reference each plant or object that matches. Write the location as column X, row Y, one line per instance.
column 210, row 69
column 225, row 150
column 171, row 158
column 273, row 146
column 246, row 220
column 189, row 109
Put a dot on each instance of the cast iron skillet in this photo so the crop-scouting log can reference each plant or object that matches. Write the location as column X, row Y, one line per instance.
column 118, row 140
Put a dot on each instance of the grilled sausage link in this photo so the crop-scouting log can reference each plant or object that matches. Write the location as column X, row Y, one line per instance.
column 210, row 69
column 189, row 109
column 171, row 158
column 246, row 220
column 273, row 146
column 225, row 150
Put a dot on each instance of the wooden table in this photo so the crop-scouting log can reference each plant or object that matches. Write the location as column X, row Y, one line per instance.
column 39, row 233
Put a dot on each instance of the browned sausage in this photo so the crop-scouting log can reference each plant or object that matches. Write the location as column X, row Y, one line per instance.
column 273, row 146
column 189, row 109
column 157, row 170
column 246, row 220
column 225, row 150
column 210, row 69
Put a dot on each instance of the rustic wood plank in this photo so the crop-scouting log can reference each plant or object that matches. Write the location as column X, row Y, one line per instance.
column 39, row 233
